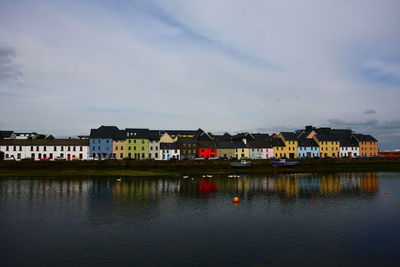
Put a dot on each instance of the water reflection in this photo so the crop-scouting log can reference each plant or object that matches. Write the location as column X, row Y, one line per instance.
column 284, row 186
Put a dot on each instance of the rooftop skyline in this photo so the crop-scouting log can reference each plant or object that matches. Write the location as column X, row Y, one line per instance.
column 69, row 66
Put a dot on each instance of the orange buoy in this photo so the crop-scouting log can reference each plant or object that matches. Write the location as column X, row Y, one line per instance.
column 235, row 200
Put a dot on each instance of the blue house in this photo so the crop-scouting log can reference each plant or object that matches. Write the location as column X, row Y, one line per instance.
column 307, row 148
column 101, row 141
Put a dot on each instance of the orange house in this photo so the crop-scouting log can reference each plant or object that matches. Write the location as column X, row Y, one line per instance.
column 368, row 145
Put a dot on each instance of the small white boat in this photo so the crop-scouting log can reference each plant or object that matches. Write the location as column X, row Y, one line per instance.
column 241, row 164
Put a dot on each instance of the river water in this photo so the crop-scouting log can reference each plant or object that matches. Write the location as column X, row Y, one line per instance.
column 348, row 219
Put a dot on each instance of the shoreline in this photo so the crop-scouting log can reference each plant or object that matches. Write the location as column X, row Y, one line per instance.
column 9, row 169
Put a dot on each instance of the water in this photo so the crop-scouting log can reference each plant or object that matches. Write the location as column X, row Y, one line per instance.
column 296, row 220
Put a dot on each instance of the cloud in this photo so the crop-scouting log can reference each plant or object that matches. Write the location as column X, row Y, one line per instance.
column 8, row 68
column 370, row 111
column 381, row 70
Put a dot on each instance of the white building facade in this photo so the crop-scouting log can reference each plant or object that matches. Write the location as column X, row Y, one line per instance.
column 67, row 149
column 169, row 151
column 349, row 151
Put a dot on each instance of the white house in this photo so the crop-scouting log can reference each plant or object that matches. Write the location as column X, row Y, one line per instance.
column 260, row 150
column 169, row 151
column 154, row 144
column 349, row 148
column 44, row 148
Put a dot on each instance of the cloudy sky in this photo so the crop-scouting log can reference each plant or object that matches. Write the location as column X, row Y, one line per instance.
column 68, row 66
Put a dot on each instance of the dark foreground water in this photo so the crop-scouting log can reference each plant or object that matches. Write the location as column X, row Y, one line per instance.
column 298, row 220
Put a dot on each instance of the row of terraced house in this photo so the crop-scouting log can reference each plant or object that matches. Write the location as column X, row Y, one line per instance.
column 110, row 142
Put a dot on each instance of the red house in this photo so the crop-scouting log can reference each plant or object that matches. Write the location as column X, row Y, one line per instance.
column 207, row 147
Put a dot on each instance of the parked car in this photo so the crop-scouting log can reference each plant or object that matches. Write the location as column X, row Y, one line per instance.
column 9, row 158
column 199, row 159
column 213, row 158
column 27, row 158
column 44, row 159
column 59, row 159
column 75, row 158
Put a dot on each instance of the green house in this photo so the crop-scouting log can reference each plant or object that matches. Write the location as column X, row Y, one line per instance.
column 137, row 143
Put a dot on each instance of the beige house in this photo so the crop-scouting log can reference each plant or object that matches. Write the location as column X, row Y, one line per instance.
column 118, row 149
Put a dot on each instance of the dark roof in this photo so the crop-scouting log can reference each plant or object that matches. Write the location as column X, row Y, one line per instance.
column 205, row 137
column 224, row 144
column 225, row 137
column 207, row 144
column 239, row 145
column 348, row 142
column 6, row 134
column 137, row 133
column 365, row 137
column 179, row 132
column 260, row 136
column 308, row 142
column 277, row 142
column 111, row 132
column 154, row 134
column 169, row 146
column 258, row 144
column 327, row 137
column 44, row 142
column 187, row 140
column 241, row 136
column 289, row 136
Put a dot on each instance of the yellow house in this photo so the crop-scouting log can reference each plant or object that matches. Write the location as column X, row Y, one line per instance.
column 242, row 151
column 278, row 147
column 329, row 146
column 291, row 145
column 118, row 149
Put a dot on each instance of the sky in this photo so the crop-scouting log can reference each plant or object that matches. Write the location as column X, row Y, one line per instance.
column 220, row 65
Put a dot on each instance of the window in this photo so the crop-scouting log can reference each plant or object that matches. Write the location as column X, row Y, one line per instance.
column 51, row 155
column 62, row 155
column 134, row 148
column 19, row 156
column 31, row 148
column 74, row 148
column 116, row 148
column 142, row 147
column 98, row 141
column 62, row 148
column 97, row 147
column 81, row 149
column 134, row 140
column 142, row 155
column 151, row 148
column 69, row 148
column 129, row 148
column 107, row 141
column 122, row 148
column 94, row 148
column 55, row 148
column 44, row 148
column 142, row 141
column 129, row 141
column 156, row 147
column 92, row 141
column 37, row 148
column 107, row 148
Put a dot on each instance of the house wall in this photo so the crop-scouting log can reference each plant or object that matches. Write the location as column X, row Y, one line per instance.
column 207, row 153
column 279, row 152
column 136, row 148
column 229, row 153
column 101, row 147
column 118, row 149
column 353, row 151
column 328, row 148
column 304, row 151
column 290, row 148
column 368, row 148
column 38, row 152
column 167, row 154
column 166, row 138
column 270, row 153
column 154, row 149
column 242, row 153
column 258, row 153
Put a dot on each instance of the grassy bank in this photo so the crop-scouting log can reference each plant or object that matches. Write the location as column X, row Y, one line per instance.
column 160, row 168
